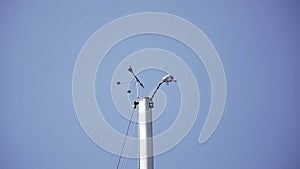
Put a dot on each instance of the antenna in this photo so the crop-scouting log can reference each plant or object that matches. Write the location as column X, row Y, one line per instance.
column 145, row 121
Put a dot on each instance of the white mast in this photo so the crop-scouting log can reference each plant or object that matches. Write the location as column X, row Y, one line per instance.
column 145, row 134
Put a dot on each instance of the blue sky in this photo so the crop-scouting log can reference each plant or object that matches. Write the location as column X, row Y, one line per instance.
column 257, row 41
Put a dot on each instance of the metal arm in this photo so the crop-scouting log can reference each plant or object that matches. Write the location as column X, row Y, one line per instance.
column 156, row 90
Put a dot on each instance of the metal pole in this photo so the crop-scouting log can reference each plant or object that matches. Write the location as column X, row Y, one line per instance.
column 145, row 134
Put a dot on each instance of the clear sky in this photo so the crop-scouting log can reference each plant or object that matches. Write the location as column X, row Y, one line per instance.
column 257, row 41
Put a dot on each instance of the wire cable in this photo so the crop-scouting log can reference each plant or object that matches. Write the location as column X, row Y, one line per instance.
column 130, row 143
column 133, row 110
